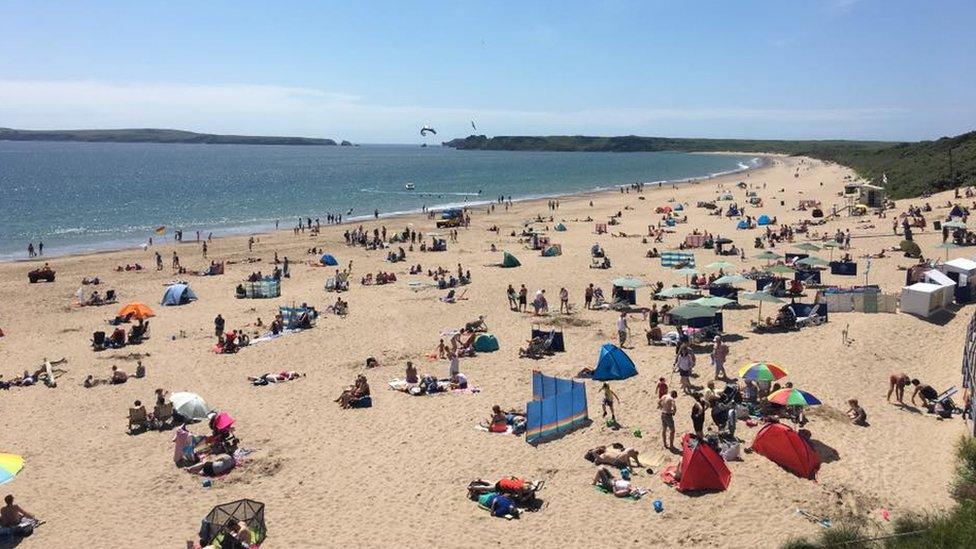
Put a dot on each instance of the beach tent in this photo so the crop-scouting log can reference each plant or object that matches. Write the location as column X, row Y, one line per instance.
column 329, row 260
column 963, row 272
column 509, row 261
column 552, row 251
column 216, row 527
column 486, row 343
column 613, row 364
column 678, row 207
column 137, row 310
column 558, row 406
column 957, row 211
column 178, row 294
column 560, row 227
column 911, row 249
column 701, row 468
column 763, row 220
column 786, row 448
column 742, row 224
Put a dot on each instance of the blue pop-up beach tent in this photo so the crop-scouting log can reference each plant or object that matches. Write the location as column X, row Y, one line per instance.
column 613, row 364
column 742, row 224
column 763, row 220
column 178, row 294
column 558, row 407
column 329, row 259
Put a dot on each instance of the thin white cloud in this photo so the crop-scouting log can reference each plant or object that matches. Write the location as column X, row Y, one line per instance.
column 283, row 110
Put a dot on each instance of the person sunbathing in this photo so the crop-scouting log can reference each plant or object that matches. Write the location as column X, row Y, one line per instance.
column 498, row 423
column 618, row 487
column 856, row 414
column 118, row 376
column 356, row 391
column 534, row 349
column 616, row 455
column 411, row 374
column 216, row 464
column 12, row 515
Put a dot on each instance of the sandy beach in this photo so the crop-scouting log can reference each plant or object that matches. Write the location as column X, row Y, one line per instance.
column 395, row 474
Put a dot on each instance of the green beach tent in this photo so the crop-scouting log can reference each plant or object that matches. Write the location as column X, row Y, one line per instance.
column 509, row 261
column 560, row 227
column 486, row 343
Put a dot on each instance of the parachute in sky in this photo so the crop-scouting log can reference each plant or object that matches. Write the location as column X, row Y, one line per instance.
column 427, row 129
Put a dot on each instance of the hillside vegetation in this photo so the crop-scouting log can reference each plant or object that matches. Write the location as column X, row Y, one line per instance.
column 150, row 135
column 912, row 168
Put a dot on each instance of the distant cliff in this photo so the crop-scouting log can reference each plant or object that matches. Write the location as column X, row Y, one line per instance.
column 911, row 168
column 149, row 135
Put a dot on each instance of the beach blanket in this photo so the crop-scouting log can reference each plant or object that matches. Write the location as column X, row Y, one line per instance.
column 673, row 259
column 635, row 494
column 270, row 336
column 443, row 386
column 510, row 430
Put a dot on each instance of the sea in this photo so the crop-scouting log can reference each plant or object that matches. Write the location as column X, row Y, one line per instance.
column 85, row 197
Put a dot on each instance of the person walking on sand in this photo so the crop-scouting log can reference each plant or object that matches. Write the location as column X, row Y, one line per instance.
column 608, row 398
column 720, row 351
column 159, row 262
column 523, row 298
column 623, row 330
column 513, row 303
column 204, row 248
column 684, row 363
column 698, row 415
column 669, row 407
column 896, row 384
column 588, row 296
column 564, row 300
column 219, row 325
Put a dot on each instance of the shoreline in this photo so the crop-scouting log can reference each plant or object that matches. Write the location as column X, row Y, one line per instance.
column 765, row 160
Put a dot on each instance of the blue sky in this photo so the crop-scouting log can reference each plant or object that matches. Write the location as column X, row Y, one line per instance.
column 377, row 71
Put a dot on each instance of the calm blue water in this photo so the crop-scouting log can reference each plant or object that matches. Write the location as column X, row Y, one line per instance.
column 96, row 196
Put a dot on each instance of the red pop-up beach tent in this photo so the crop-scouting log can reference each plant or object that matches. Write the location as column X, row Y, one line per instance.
column 786, row 448
column 701, row 468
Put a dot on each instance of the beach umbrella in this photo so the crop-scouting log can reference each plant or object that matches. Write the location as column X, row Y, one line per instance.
column 688, row 272
column 830, row 245
column 677, row 291
column 691, row 311
column 223, row 420
column 137, row 310
column 720, row 266
column 793, row 397
column 780, row 270
column 954, row 224
column 713, row 301
column 10, row 465
column 769, row 256
column 731, row 279
column 761, row 297
column 189, row 405
column 812, row 261
column 762, row 371
column 948, row 245
column 629, row 283
column 807, row 247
